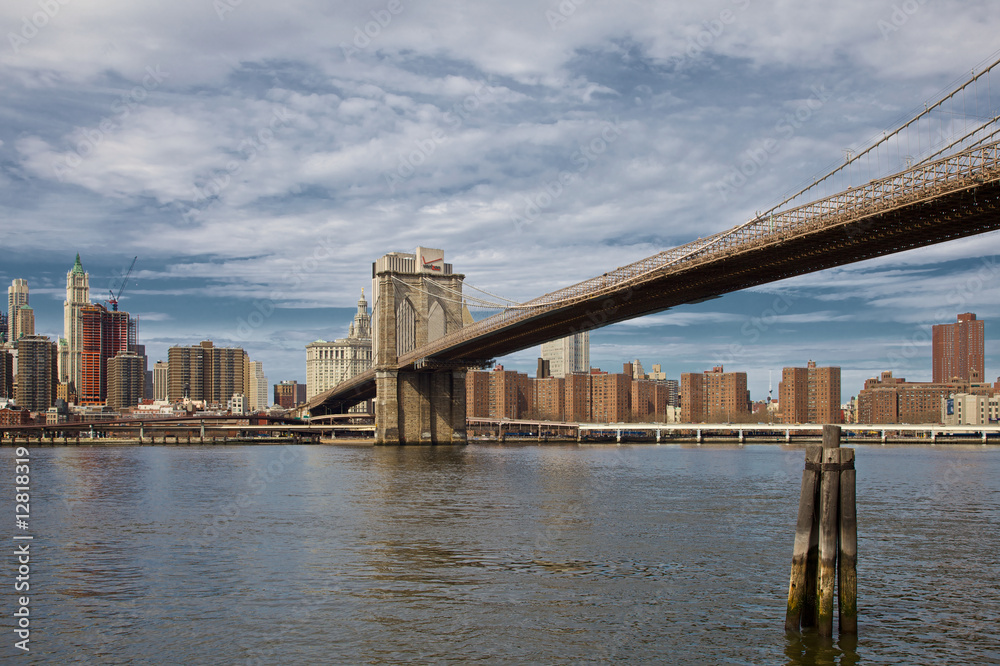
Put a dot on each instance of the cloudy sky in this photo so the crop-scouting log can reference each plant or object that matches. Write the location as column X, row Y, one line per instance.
column 257, row 157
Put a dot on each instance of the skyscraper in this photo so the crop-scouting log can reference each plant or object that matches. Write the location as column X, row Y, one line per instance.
column 329, row 363
column 259, row 388
column 147, row 373
column 568, row 355
column 958, row 350
column 161, row 380
column 6, row 374
column 17, row 295
column 104, row 334
column 77, row 296
column 37, row 375
column 207, row 372
column 126, row 377
column 25, row 321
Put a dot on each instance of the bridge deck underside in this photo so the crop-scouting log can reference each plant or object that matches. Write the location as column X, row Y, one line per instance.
column 936, row 219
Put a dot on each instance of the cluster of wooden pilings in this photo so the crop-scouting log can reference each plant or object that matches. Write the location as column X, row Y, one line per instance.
column 826, row 541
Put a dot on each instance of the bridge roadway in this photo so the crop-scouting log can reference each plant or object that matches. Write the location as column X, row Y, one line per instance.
column 195, row 427
column 934, row 202
column 861, row 432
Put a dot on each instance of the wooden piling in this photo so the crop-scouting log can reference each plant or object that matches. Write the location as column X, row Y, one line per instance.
column 828, row 530
column 848, row 556
column 828, row 534
column 801, row 601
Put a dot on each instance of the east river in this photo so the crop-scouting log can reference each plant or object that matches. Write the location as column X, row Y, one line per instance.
column 489, row 554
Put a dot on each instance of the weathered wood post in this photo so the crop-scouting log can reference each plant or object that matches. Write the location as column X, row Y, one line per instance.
column 828, row 530
column 848, row 559
column 801, row 609
column 826, row 540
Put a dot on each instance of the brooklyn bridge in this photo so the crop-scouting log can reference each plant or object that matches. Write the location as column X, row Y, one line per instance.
column 937, row 178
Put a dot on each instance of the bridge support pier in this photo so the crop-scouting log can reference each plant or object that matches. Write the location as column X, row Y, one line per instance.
column 420, row 407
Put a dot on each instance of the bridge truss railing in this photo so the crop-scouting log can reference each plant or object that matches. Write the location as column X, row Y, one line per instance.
column 955, row 172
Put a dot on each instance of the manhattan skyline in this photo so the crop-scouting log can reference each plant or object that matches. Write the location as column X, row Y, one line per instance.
column 226, row 157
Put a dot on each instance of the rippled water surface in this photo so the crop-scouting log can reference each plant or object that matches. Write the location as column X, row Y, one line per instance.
column 559, row 554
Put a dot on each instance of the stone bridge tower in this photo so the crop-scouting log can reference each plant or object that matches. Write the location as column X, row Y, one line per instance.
column 417, row 300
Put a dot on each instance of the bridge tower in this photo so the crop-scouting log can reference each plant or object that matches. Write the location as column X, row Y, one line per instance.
column 417, row 300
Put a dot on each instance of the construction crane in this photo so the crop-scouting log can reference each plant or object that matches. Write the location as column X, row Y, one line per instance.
column 115, row 297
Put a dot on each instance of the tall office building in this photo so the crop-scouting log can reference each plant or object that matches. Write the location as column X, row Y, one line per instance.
column 103, row 335
column 810, row 394
column 259, row 388
column 161, row 380
column 6, row 374
column 207, row 372
column 25, row 321
column 329, row 363
column 126, row 377
column 568, row 355
column 713, row 395
column 37, row 375
column 147, row 373
column 958, row 350
column 3, row 327
column 17, row 295
column 77, row 297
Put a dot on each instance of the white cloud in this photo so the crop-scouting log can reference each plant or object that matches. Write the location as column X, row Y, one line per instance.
column 455, row 120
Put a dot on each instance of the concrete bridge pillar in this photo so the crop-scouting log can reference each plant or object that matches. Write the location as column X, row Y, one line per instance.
column 418, row 299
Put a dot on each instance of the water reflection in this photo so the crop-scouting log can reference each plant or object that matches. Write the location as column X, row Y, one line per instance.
column 560, row 554
column 810, row 649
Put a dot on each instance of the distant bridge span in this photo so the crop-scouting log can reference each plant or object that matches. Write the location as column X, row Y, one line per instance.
column 934, row 202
